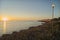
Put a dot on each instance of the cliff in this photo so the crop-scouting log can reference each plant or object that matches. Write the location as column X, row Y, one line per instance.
column 41, row 32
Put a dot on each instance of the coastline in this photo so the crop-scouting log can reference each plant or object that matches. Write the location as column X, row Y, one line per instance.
column 40, row 32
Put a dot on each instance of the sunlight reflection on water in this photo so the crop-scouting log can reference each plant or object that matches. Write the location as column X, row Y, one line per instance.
column 17, row 25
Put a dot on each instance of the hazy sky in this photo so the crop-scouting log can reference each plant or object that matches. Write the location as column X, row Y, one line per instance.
column 32, row 9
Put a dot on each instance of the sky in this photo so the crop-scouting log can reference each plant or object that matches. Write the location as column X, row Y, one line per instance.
column 29, row 9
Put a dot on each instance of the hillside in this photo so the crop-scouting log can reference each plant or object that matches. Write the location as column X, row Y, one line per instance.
column 41, row 32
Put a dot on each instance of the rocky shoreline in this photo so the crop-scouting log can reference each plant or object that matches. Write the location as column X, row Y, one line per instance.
column 41, row 32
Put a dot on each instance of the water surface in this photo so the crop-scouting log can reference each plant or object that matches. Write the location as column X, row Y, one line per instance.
column 18, row 25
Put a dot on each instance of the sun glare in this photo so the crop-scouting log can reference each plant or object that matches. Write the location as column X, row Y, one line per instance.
column 5, row 19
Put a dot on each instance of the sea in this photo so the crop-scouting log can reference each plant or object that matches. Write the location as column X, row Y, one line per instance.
column 12, row 26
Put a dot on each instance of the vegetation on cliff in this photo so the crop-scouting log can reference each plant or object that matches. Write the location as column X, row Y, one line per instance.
column 41, row 32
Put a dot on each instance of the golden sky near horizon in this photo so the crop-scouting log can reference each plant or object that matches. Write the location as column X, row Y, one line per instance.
column 18, row 18
column 22, row 18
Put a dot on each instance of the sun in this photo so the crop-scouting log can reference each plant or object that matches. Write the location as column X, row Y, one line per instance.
column 5, row 19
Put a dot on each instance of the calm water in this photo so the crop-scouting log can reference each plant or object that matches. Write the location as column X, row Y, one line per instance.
column 17, row 25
